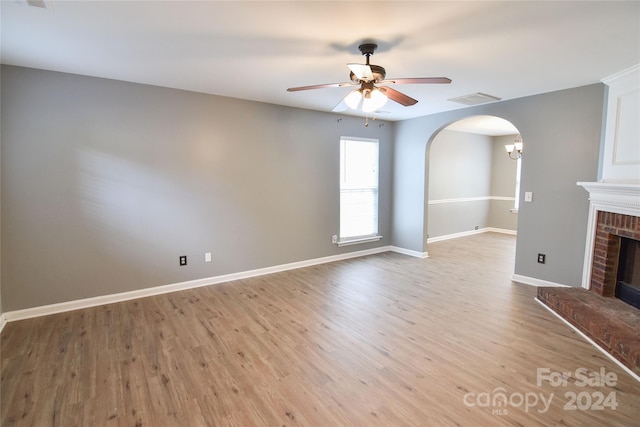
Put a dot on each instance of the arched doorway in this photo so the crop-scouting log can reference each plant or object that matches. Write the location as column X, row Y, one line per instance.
column 472, row 183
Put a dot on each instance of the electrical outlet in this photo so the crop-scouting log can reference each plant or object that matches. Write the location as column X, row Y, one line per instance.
column 207, row 257
column 334, row 239
column 541, row 258
column 183, row 260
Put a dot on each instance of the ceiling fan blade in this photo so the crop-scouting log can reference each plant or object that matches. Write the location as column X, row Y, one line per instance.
column 418, row 80
column 361, row 71
column 340, row 107
column 323, row 86
column 398, row 97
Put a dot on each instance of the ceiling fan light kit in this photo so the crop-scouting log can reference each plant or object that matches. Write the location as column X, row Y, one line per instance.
column 373, row 100
column 353, row 99
column 369, row 97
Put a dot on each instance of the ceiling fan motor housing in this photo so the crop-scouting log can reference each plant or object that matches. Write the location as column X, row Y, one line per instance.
column 378, row 72
column 368, row 48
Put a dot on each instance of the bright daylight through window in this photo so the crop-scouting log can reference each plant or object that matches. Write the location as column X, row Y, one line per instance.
column 518, row 172
column 358, row 190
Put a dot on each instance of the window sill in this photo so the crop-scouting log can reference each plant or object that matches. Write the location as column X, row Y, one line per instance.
column 359, row 241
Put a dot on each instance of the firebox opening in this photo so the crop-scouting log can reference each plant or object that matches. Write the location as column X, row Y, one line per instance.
column 628, row 282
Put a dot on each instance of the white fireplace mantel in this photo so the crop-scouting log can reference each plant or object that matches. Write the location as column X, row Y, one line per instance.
column 622, row 198
column 607, row 197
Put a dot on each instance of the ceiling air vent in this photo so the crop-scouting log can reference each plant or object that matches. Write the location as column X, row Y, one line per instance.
column 475, row 99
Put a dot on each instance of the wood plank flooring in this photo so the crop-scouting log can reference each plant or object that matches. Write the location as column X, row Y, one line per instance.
column 384, row 340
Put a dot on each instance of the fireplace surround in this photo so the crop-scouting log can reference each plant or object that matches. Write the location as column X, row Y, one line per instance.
column 614, row 213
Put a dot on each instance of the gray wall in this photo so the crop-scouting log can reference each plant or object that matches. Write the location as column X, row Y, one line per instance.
column 106, row 183
column 562, row 132
column 462, row 166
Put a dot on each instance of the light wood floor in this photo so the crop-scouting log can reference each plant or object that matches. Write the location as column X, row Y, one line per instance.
column 385, row 340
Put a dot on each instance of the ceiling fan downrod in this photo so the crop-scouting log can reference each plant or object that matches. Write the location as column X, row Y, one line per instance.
column 367, row 49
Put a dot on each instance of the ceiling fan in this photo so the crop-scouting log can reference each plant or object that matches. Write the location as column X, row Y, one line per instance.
column 369, row 96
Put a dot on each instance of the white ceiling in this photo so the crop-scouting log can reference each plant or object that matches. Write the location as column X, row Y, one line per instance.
column 256, row 50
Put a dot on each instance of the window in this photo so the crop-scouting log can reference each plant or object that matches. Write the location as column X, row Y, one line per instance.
column 358, row 190
column 518, row 169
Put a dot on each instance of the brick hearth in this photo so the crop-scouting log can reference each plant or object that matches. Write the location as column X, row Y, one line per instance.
column 609, row 322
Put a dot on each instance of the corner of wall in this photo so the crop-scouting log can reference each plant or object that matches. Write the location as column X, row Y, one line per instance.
column 2, row 319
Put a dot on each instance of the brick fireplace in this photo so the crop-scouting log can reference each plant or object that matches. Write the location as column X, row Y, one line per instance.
column 593, row 309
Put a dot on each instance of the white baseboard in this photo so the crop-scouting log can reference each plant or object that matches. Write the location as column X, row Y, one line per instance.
column 409, row 252
column 501, row 230
column 471, row 233
column 592, row 342
column 3, row 321
column 536, row 282
column 62, row 307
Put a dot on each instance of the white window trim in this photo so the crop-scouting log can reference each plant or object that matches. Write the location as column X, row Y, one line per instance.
column 356, row 240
